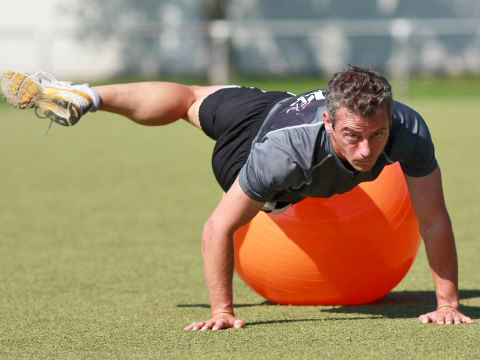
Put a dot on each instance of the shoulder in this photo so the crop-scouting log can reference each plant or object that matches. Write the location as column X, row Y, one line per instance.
column 407, row 124
column 404, row 116
column 299, row 115
column 278, row 162
column 410, row 142
column 293, row 144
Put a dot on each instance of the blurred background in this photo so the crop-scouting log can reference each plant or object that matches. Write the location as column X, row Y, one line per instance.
column 220, row 41
column 100, row 223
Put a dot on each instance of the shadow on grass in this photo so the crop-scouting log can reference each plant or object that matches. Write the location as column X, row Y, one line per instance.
column 207, row 306
column 285, row 321
column 282, row 321
column 407, row 304
column 397, row 304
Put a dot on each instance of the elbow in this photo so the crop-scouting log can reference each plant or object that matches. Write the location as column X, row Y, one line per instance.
column 206, row 234
column 442, row 222
column 213, row 229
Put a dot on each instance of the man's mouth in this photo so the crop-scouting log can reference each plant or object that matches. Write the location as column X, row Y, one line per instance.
column 364, row 162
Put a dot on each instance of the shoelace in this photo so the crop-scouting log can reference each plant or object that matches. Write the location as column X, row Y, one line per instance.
column 42, row 116
column 43, row 75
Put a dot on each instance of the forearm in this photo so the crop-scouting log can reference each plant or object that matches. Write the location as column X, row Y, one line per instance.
column 217, row 249
column 436, row 228
column 442, row 256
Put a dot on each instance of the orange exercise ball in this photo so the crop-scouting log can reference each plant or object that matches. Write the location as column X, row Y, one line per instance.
column 348, row 249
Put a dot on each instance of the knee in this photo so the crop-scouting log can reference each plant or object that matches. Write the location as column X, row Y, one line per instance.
column 198, row 92
column 201, row 92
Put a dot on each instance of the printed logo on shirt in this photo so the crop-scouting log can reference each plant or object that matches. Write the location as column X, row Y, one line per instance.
column 303, row 101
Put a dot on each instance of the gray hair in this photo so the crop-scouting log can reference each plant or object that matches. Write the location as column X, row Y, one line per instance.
column 360, row 90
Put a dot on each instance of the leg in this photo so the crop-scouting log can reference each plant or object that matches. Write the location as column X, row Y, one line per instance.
column 148, row 103
column 154, row 103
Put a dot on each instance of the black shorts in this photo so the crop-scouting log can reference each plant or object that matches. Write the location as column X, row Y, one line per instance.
column 232, row 116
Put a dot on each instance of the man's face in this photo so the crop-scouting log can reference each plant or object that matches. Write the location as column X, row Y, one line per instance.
column 358, row 140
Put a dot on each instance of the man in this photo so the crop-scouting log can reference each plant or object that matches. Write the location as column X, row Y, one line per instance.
column 274, row 149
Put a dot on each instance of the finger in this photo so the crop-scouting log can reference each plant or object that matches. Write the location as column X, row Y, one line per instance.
column 238, row 324
column 466, row 319
column 424, row 319
column 189, row 327
column 449, row 319
column 207, row 326
column 220, row 324
column 198, row 326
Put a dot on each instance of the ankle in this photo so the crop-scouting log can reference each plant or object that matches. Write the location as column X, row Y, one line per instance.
column 90, row 92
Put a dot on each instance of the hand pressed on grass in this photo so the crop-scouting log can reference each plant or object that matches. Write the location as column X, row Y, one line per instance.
column 445, row 315
column 218, row 321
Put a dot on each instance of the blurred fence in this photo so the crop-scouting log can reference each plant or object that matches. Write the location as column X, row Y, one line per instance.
column 272, row 47
column 404, row 36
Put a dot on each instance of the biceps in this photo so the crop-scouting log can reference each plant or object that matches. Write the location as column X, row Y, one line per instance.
column 426, row 194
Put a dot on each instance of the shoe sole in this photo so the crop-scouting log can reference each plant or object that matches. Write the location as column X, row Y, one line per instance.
column 22, row 92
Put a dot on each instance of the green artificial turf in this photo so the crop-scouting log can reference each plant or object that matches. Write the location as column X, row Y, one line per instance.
column 100, row 251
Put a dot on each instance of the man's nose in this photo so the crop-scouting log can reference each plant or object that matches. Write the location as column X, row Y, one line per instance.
column 365, row 148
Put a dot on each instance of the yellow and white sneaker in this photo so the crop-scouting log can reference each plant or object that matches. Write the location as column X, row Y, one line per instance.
column 59, row 101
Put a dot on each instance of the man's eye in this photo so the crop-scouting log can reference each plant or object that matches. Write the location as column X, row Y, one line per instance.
column 378, row 135
column 351, row 136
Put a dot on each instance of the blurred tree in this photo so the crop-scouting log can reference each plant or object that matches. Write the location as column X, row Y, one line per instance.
column 148, row 33
column 215, row 9
column 153, row 36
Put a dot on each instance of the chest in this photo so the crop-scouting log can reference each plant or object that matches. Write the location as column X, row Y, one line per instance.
column 330, row 178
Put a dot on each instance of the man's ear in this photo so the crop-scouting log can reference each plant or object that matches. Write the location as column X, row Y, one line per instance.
column 327, row 120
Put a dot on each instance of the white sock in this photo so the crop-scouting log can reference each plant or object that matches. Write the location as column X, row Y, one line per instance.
column 90, row 92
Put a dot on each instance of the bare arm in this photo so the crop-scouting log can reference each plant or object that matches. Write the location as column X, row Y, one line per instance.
column 428, row 201
column 233, row 211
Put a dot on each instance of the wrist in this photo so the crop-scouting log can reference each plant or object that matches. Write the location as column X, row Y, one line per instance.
column 447, row 297
column 219, row 307
column 215, row 313
column 453, row 305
